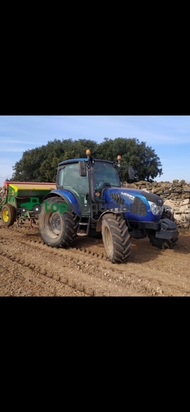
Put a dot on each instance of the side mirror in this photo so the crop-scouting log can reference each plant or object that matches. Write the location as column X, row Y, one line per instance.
column 131, row 173
column 82, row 168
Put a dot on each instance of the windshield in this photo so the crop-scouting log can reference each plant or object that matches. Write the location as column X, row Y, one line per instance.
column 70, row 178
column 105, row 172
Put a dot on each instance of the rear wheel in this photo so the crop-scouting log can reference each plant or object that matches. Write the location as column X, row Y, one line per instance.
column 8, row 214
column 116, row 238
column 57, row 229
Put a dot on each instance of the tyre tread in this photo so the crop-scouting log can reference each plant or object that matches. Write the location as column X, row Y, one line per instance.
column 121, row 240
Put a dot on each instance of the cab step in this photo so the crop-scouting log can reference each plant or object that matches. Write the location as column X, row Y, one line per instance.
column 83, row 226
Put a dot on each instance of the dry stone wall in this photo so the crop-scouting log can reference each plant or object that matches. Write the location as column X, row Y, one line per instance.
column 175, row 194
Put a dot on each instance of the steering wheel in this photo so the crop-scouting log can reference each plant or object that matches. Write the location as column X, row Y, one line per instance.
column 99, row 185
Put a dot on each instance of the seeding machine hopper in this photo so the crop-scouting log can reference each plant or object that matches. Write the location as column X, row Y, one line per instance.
column 22, row 200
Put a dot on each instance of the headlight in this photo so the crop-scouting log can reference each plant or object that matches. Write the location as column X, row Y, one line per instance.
column 156, row 210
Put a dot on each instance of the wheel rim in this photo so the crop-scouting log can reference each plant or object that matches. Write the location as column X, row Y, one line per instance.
column 5, row 215
column 53, row 224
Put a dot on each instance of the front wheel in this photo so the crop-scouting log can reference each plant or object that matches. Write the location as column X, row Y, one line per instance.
column 58, row 228
column 8, row 214
column 162, row 243
column 167, row 214
column 116, row 238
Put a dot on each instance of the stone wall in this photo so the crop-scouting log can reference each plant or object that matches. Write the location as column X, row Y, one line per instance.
column 175, row 194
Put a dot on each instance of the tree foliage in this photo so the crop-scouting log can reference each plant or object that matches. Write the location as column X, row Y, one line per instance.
column 40, row 164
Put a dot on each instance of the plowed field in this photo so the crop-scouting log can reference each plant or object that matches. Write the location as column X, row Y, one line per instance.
column 28, row 267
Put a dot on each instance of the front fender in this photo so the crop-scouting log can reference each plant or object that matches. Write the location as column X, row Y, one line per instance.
column 99, row 223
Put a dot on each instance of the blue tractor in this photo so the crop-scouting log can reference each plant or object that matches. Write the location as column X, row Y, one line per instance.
column 89, row 199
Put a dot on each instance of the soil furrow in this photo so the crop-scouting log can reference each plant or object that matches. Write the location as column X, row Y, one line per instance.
column 84, row 270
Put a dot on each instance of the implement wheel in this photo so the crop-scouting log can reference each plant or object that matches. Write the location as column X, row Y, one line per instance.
column 116, row 238
column 8, row 214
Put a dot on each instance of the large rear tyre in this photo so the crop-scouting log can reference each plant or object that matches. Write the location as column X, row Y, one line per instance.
column 8, row 214
column 57, row 229
column 116, row 238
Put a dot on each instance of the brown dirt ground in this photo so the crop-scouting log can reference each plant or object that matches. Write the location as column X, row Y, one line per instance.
column 28, row 267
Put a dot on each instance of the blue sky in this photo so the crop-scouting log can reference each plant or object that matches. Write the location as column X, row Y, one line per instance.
column 169, row 136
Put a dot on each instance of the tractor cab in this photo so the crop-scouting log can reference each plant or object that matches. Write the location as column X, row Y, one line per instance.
column 86, row 179
column 74, row 181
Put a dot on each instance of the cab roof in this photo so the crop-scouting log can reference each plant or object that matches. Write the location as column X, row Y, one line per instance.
column 80, row 159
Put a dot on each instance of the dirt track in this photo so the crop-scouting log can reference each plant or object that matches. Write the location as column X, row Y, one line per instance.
column 28, row 267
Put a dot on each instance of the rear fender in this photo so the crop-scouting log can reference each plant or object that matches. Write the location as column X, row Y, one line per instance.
column 68, row 197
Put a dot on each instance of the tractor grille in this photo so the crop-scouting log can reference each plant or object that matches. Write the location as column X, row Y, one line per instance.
column 138, row 207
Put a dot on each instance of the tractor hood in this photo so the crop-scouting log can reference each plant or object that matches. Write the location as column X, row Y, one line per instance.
column 136, row 204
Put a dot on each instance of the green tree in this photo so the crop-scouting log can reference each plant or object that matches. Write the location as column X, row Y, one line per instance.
column 40, row 164
column 145, row 163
